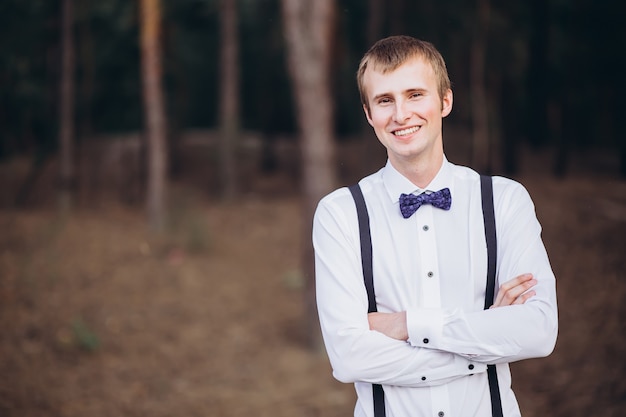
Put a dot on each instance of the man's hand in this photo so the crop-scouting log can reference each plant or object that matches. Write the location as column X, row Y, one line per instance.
column 515, row 291
column 390, row 324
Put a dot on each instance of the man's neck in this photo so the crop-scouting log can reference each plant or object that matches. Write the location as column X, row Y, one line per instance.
column 420, row 172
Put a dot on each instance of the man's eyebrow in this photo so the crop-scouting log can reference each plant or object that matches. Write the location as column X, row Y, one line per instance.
column 381, row 95
column 416, row 90
column 407, row 91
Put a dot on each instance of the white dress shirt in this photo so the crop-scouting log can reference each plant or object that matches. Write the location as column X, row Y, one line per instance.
column 432, row 265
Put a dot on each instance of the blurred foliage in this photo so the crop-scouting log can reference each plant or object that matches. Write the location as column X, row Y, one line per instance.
column 580, row 72
column 84, row 336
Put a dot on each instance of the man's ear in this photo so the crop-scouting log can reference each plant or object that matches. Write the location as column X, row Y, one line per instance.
column 366, row 110
column 446, row 103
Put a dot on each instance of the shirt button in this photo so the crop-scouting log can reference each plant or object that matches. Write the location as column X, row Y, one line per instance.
column 441, row 414
column 423, row 378
column 425, row 228
column 425, row 340
column 471, row 366
column 430, row 274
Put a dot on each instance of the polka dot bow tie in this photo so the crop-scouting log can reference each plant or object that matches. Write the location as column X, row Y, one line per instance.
column 409, row 203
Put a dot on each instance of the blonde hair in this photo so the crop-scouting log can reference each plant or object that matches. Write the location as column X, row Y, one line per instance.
column 390, row 53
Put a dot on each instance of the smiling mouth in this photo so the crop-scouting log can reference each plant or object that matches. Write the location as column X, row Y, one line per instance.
column 406, row 132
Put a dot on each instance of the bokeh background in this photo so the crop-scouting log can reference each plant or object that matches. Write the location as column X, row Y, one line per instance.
column 159, row 165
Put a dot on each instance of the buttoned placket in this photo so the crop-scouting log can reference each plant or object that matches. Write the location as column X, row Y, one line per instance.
column 430, row 287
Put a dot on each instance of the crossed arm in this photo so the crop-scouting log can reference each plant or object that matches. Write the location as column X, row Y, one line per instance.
column 513, row 292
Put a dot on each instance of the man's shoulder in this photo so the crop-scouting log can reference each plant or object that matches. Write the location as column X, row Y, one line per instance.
column 501, row 184
column 509, row 194
column 367, row 184
column 507, row 186
column 338, row 197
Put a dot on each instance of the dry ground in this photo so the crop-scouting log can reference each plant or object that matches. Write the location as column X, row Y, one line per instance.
column 100, row 319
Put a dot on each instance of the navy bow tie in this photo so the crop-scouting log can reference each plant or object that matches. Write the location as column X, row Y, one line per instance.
column 409, row 203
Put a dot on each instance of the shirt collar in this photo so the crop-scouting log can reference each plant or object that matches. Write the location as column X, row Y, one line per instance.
column 396, row 183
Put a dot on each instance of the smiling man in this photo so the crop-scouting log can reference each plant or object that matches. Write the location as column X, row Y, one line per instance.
column 429, row 347
column 405, row 106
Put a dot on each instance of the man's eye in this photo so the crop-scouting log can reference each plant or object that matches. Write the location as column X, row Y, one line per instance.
column 384, row 101
column 416, row 95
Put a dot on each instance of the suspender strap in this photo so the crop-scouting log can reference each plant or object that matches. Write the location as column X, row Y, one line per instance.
column 379, row 400
column 486, row 187
column 366, row 245
column 368, row 278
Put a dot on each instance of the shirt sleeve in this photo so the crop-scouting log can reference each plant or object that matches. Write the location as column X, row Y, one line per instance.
column 503, row 334
column 356, row 353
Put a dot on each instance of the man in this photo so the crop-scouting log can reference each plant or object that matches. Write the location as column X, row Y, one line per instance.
column 430, row 342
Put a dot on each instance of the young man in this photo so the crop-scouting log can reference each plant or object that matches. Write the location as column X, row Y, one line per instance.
column 430, row 342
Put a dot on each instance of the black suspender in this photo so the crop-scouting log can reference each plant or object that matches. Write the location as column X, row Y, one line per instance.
column 368, row 278
column 366, row 245
column 486, row 187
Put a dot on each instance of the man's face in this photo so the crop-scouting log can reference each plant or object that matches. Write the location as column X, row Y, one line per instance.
column 406, row 112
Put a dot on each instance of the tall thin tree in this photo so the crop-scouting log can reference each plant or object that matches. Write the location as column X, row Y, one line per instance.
column 66, row 122
column 154, row 111
column 373, row 153
column 308, row 28
column 480, row 104
column 86, row 61
column 538, row 70
column 229, row 97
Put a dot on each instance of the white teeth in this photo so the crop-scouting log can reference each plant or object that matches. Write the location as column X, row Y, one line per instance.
column 408, row 131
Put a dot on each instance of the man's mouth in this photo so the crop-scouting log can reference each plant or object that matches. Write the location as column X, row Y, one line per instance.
column 407, row 131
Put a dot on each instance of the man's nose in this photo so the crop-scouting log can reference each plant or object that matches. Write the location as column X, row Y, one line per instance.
column 401, row 113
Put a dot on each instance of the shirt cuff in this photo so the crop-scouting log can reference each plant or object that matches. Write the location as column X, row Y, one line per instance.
column 425, row 327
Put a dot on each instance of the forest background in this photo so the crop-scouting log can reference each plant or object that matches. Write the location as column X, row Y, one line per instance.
column 160, row 161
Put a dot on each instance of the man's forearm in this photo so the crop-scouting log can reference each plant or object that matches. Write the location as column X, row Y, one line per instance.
column 390, row 324
column 515, row 291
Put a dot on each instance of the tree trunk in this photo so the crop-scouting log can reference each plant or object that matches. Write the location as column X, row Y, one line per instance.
column 375, row 20
column 537, row 118
column 154, row 112
column 179, row 99
column 622, row 155
column 229, row 96
column 618, row 128
column 86, row 64
column 510, row 126
column 66, row 122
column 481, row 160
column 308, row 26
column 373, row 152
column 555, row 126
column 397, row 17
